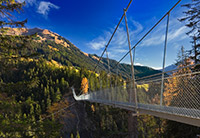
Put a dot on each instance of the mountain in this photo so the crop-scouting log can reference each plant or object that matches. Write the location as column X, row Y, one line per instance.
column 55, row 47
column 125, row 69
column 58, row 49
column 169, row 68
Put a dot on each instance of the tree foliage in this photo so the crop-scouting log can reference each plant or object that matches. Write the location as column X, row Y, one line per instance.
column 192, row 19
column 84, row 85
column 20, row 108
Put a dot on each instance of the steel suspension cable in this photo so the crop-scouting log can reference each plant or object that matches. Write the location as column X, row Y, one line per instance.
column 109, row 41
column 164, row 58
column 136, row 43
column 112, row 35
column 108, row 67
column 147, row 33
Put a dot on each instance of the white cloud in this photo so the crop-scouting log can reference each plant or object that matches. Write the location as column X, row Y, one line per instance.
column 157, row 68
column 119, row 50
column 126, row 62
column 97, row 43
column 177, row 33
column 138, row 28
column 116, row 46
column 119, row 42
column 120, row 38
column 114, row 53
column 155, row 40
column 44, row 7
column 28, row 2
column 138, row 64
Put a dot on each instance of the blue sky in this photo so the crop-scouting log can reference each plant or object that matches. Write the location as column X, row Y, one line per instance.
column 89, row 24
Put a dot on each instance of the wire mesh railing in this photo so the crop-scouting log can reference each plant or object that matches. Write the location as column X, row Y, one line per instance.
column 173, row 92
column 181, row 93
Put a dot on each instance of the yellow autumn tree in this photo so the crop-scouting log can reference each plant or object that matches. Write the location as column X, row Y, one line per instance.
column 176, row 84
column 84, row 85
column 171, row 89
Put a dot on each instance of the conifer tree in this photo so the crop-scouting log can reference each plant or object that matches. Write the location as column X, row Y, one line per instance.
column 58, row 95
column 192, row 19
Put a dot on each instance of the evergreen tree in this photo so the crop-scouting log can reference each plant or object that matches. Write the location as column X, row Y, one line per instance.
column 58, row 95
column 192, row 19
column 182, row 57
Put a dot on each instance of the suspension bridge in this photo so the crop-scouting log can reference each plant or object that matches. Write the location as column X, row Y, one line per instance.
column 173, row 95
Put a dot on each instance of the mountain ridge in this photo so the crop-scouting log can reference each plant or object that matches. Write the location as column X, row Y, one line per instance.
column 57, row 48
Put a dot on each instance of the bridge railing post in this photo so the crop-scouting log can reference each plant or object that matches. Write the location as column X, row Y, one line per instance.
column 109, row 83
column 115, row 88
column 109, row 73
column 88, row 92
column 164, row 58
column 100, row 84
column 132, row 65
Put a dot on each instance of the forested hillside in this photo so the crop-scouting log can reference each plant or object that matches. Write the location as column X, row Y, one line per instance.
column 38, row 68
column 56, row 48
column 38, row 87
column 37, row 73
